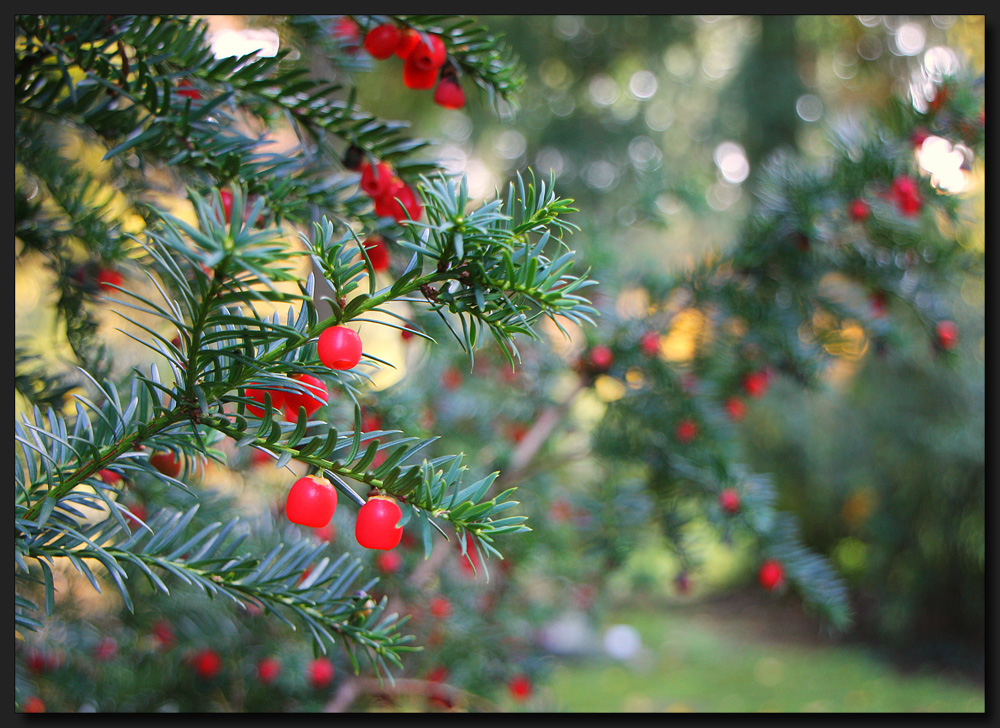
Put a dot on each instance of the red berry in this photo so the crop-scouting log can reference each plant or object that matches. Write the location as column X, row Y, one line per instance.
column 771, row 575
column 729, row 500
column 947, row 334
column 859, row 210
column 376, row 181
column 311, row 501
column 449, row 93
column 339, row 347
column 376, row 525
column 408, row 39
column 167, row 463
column 106, row 648
column 34, row 704
column 347, row 31
column 138, row 511
column 227, row 204
column 755, row 383
column 418, row 77
column 108, row 277
column 519, row 687
column 382, row 40
column 918, row 136
column 110, row 477
column 601, row 358
column 440, row 607
column 186, row 88
column 687, row 430
column 268, row 669
column 320, row 672
column 406, row 334
column 257, row 395
column 318, row 396
column 378, row 253
column 428, row 54
column 388, row 562
column 907, row 195
column 940, row 96
column 400, row 203
column 650, row 343
column 736, row 408
column 207, row 663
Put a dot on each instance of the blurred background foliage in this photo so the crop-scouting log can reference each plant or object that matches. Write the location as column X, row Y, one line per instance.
column 658, row 128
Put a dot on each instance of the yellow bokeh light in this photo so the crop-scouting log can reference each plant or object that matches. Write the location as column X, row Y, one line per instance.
column 608, row 389
column 688, row 331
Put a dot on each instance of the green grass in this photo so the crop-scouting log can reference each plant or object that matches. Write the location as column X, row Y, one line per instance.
column 692, row 663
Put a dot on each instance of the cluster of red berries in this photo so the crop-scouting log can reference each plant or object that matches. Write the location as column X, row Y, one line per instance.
column 906, row 195
column 425, row 61
column 312, row 501
column 392, row 196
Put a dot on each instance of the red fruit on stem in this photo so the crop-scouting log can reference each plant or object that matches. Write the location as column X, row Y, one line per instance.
column 755, row 383
column 519, row 687
column 418, row 77
column 382, row 40
column 339, row 347
column 729, row 500
column 378, row 253
column 771, row 575
column 601, row 358
column 406, row 334
column 408, row 39
column 376, row 525
column 736, row 408
column 311, row 501
column 108, row 277
column 138, row 511
column 428, row 54
column 167, row 463
column 317, row 396
column 947, row 334
column 449, row 93
column 34, row 704
column 257, row 395
column 440, row 607
column 268, row 669
column 859, row 210
column 388, row 562
column 207, row 663
column 687, row 430
column 376, row 181
column 227, row 204
column 320, row 672
column 650, row 343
